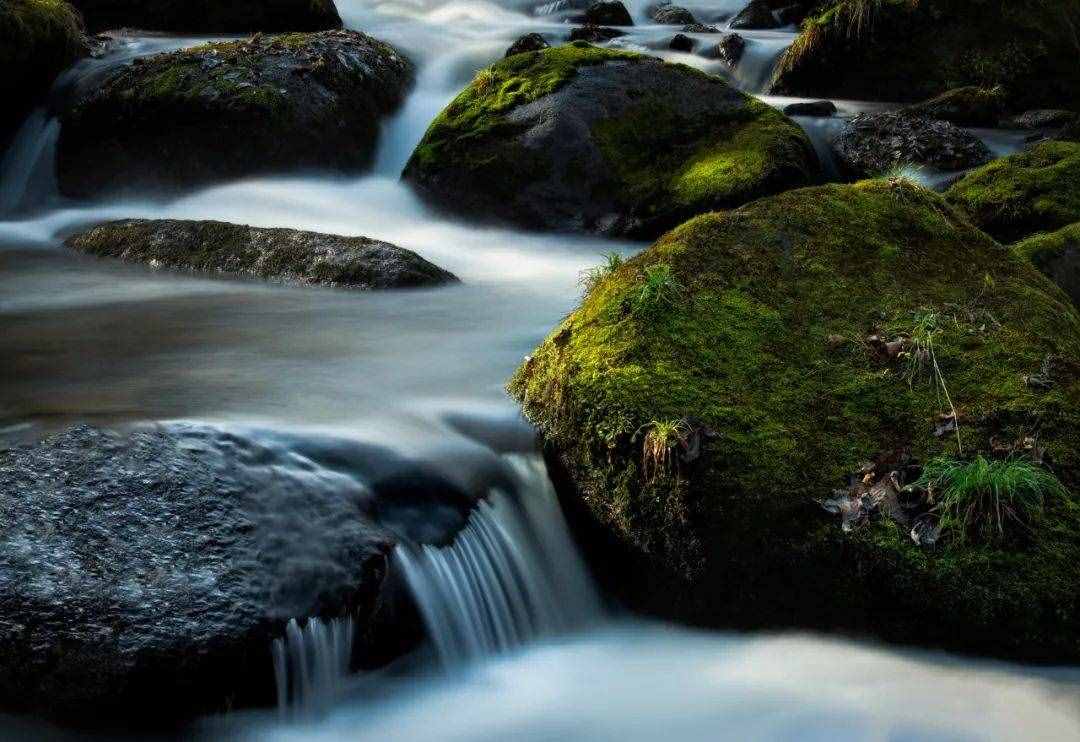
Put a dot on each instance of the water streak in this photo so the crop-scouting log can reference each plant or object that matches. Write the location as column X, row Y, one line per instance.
column 311, row 663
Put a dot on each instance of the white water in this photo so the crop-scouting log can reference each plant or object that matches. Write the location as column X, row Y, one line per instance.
column 311, row 663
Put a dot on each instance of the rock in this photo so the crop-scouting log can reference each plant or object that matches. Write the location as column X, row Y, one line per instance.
column 734, row 354
column 276, row 254
column 1057, row 256
column 873, row 143
column 603, row 141
column 1036, row 190
column 818, row 108
column 38, row 41
column 756, row 15
column 530, row 42
column 595, row 34
column 681, row 43
column 673, row 15
column 699, row 28
column 730, row 48
column 1046, row 118
column 608, row 13
column 230, row 109
column 1070, row 132
column 210, row 17
column 908, row 52
column 970, row 106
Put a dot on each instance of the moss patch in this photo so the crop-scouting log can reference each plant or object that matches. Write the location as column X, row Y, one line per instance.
column 1057, row 255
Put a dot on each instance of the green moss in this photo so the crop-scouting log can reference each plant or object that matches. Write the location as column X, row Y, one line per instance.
column 1057, row 256
column 1035, row 190
column 745, row 354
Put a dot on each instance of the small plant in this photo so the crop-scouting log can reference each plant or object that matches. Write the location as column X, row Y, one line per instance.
column 660, row 439
column 922, row 356
column 592, row 277
column 903, row 173
column 983, row 499
column 484, row 80
column 659, row 286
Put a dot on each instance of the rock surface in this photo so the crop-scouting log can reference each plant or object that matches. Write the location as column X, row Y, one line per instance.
column 730, row 48
column 210, row 16
column 710, row 390
column 1057, row 255
column 229, row 109
column 595, row 34
column 681, row 43
column 673, row 15
column 970, row 106
column 530, row 42
column 872, row 143
column 582, row 139
column 1044, row 118
column 756, row 15
column 276, row 254
column 818, row 108
column 608, row 13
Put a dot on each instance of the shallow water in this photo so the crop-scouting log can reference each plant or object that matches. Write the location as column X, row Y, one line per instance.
column 106, row 342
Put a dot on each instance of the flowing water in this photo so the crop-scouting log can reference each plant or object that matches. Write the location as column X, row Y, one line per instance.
column 521, row 648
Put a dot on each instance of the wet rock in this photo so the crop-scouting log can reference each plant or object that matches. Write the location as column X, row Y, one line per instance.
column 700, row 28
column 757, row 15
column 873, row 143
column 229, row 109
column 681, row 43
column 673, row 15
column 1057, row 256
column 730, row 48
column 1046, row 118
column 285, row 255
column 817, row 108
column 210, row 17
column 970, row 106
column 595, row 34
column 530, row 42
column 608, row 13
column 622, row 144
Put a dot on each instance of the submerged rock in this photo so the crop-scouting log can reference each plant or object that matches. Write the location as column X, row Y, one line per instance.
column 873, row 143
column 38, row 41
column 530, row 42
column 681, row 43
column 210, row 16
column 703, row 399
column 577, row 138
column 700, row 28
column 970, row 106
column 818, row 108
column 608, row 13
column 228, row 109
column 730, row 48
column 673, row 15
column 757, row 15
column 595, row 34
column 1057, row 255
column 277, row 254
column 1036, row 190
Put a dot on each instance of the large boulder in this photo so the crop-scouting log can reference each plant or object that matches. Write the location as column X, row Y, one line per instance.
column 872, row 143
column 1036, row 190
column 673, row 15
column 909, row 51
column 1057, row 255
column 210, row 16
column 39, row 39
column 709, row 391
column 577, row 138
column 277, row 254
column 608, row 13
column 229, row 109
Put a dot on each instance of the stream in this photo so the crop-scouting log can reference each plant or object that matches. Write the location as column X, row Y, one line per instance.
column 521, row 645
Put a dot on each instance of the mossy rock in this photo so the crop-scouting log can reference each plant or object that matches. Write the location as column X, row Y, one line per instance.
column 968, row 106
column 285, row 255
column 758, row 343
column 578, row 138
column 1057, row 255
column 1032, row 191
column 907, row 51
column 39, row 39
column 230, row 109
column 211, row 16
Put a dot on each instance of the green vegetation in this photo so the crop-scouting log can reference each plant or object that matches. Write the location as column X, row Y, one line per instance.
column 922, row 358
column 1032, row 191
column 591, row 278
column 1057, row 256
column 988, row 500
column 660, row 439
column 659, row 289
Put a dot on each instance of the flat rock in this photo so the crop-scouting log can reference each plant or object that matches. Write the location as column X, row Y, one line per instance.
column 873, row 143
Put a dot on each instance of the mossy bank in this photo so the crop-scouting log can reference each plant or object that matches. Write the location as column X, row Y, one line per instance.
column 1057, row 255
column 578, row 138
column 746, row 336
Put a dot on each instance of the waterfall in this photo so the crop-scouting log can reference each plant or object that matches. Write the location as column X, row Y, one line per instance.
column 511, row 575
column 311, row 663
column 26, row 169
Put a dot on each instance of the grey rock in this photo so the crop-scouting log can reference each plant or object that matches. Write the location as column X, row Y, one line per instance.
column 608, row 13
column 530, row 42
column 673, row 15
column 1044, row 118
column 730, row 48
column 595, row 34
column 681, row 43
column 873, row 143
column 756, row 15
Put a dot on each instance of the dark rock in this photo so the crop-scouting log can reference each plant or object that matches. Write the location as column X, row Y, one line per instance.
column 756, row 15
column 1045, row 118
column 873, row 143
column 790, row 15
column 609, row 149
column 530, row 42
column 595, row 34
column 276, row 254
column 608, row 13
column 730, row 48
column 970, row 106
column 819, row 108
column 681, row 43
column 1070, row 132
column 230, row 109
column 1057, row 256
column 700, row 28
column 210, row 16
column 673, row 15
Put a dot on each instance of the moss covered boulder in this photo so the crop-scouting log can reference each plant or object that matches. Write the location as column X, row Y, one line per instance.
column 229, row 109
column 577, row 138
column 39, row 39
column 1036, row 190
column 287, row 255
column 211, row 16
column 709, row 391
column 903, row 50
column 1057, row 255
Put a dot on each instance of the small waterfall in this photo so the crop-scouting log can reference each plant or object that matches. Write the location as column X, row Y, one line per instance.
column 511, row 575
column 27, row 175
column 311, row 663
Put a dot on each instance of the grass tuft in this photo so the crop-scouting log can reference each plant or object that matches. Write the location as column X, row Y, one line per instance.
column 922, row 358
column 659, row 288
column 657, row 460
